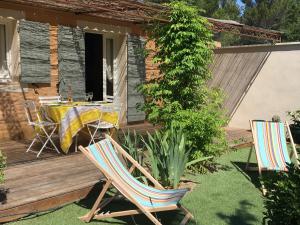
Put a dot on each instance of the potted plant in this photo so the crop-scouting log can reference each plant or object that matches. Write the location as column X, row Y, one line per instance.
column 295, row 126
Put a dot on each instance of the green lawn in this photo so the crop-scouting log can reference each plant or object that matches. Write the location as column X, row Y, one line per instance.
column 224, row 197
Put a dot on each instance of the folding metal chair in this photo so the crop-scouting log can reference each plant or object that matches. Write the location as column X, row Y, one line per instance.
column 101, row 125
column 43, row 129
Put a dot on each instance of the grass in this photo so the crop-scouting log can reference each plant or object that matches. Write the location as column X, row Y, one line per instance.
column 228, row 196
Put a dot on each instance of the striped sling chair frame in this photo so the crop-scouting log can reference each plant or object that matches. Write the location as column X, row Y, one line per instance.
column 269, row 141
column 109, row 157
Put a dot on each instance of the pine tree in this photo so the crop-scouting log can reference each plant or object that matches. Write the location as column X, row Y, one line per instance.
column 282, row 15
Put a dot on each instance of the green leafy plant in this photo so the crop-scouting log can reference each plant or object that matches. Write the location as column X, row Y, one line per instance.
column 180, row 96
column 2, row 167
column 283, row 197
column 168, row 155
column 295, row 117
column 133, row 144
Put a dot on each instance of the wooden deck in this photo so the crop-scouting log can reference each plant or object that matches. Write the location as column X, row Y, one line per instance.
column 35, row 185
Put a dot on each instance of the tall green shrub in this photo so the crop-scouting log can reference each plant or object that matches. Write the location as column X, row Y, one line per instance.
column 283, row 197
column 181, row 96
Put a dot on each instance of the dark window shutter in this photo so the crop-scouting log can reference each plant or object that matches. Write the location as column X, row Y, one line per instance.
column 34, row 52
column 136, row 73
column 71, row 62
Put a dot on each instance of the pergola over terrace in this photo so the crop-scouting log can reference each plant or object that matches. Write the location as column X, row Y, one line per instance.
column 139, row 12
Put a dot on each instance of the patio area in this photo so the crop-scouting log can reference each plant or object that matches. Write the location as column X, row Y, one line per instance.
column 53, row 180
column 242, row 204
column 150, row 112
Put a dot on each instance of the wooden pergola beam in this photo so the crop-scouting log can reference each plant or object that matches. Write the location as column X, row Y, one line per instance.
column 244, row 30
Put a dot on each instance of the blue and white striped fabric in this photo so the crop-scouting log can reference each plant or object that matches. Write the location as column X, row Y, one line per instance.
column 270, row 145
column 149, row 197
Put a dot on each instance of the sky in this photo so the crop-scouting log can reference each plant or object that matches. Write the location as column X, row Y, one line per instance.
column 239, row 2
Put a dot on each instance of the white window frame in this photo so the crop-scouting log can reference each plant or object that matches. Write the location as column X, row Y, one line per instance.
column 115, row 73
column 8, row 26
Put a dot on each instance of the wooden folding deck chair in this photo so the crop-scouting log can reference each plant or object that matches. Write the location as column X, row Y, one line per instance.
column 269, row 140
column 108, row 156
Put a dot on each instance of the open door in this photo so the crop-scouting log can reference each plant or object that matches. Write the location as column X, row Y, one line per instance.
column 94, row 65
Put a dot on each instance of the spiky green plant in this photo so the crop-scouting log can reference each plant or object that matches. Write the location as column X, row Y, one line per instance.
column 168, row 155
column 133, row 145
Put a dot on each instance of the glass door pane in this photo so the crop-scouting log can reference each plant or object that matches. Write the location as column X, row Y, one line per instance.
column 3, row 60
column 109, row 67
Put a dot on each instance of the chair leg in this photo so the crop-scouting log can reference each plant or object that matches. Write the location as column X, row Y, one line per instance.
column 32, row 143
column 249, row 157
column 44, row 145
column 92, row 135
column 263, row 189
column 52, row 141
column 187, row 216
column 48, row 139
column 152, row 218
column 90, row 214
column 76, row 143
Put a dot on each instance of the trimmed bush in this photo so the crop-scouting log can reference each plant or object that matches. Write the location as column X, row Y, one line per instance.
column 283, row 197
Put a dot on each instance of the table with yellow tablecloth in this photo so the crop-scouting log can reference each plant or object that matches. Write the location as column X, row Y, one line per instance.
column 71, row 118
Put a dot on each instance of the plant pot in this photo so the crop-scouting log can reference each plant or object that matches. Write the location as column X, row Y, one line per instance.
column 295, row 130
column 3, row 193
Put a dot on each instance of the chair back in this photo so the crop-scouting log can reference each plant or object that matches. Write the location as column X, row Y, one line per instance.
column 30, row 110
column 115, row 106
column 48, row 100
column 270, row 144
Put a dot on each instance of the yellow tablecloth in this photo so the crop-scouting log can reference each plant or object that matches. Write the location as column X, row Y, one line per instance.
column 73, row 117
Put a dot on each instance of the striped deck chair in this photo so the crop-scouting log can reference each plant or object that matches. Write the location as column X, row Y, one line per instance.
column 108, row 156
column 270, row 146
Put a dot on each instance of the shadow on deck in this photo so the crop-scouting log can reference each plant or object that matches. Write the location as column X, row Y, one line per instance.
column 38, row 184
column 33, row 185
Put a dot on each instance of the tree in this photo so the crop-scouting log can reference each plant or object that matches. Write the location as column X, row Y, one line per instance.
column 282, row 15
column 291, row 22
column 218, row 9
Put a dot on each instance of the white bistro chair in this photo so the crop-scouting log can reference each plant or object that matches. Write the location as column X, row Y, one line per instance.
column 43, row 129
column 109, row 99
column 48, row 100
column 100, row 125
